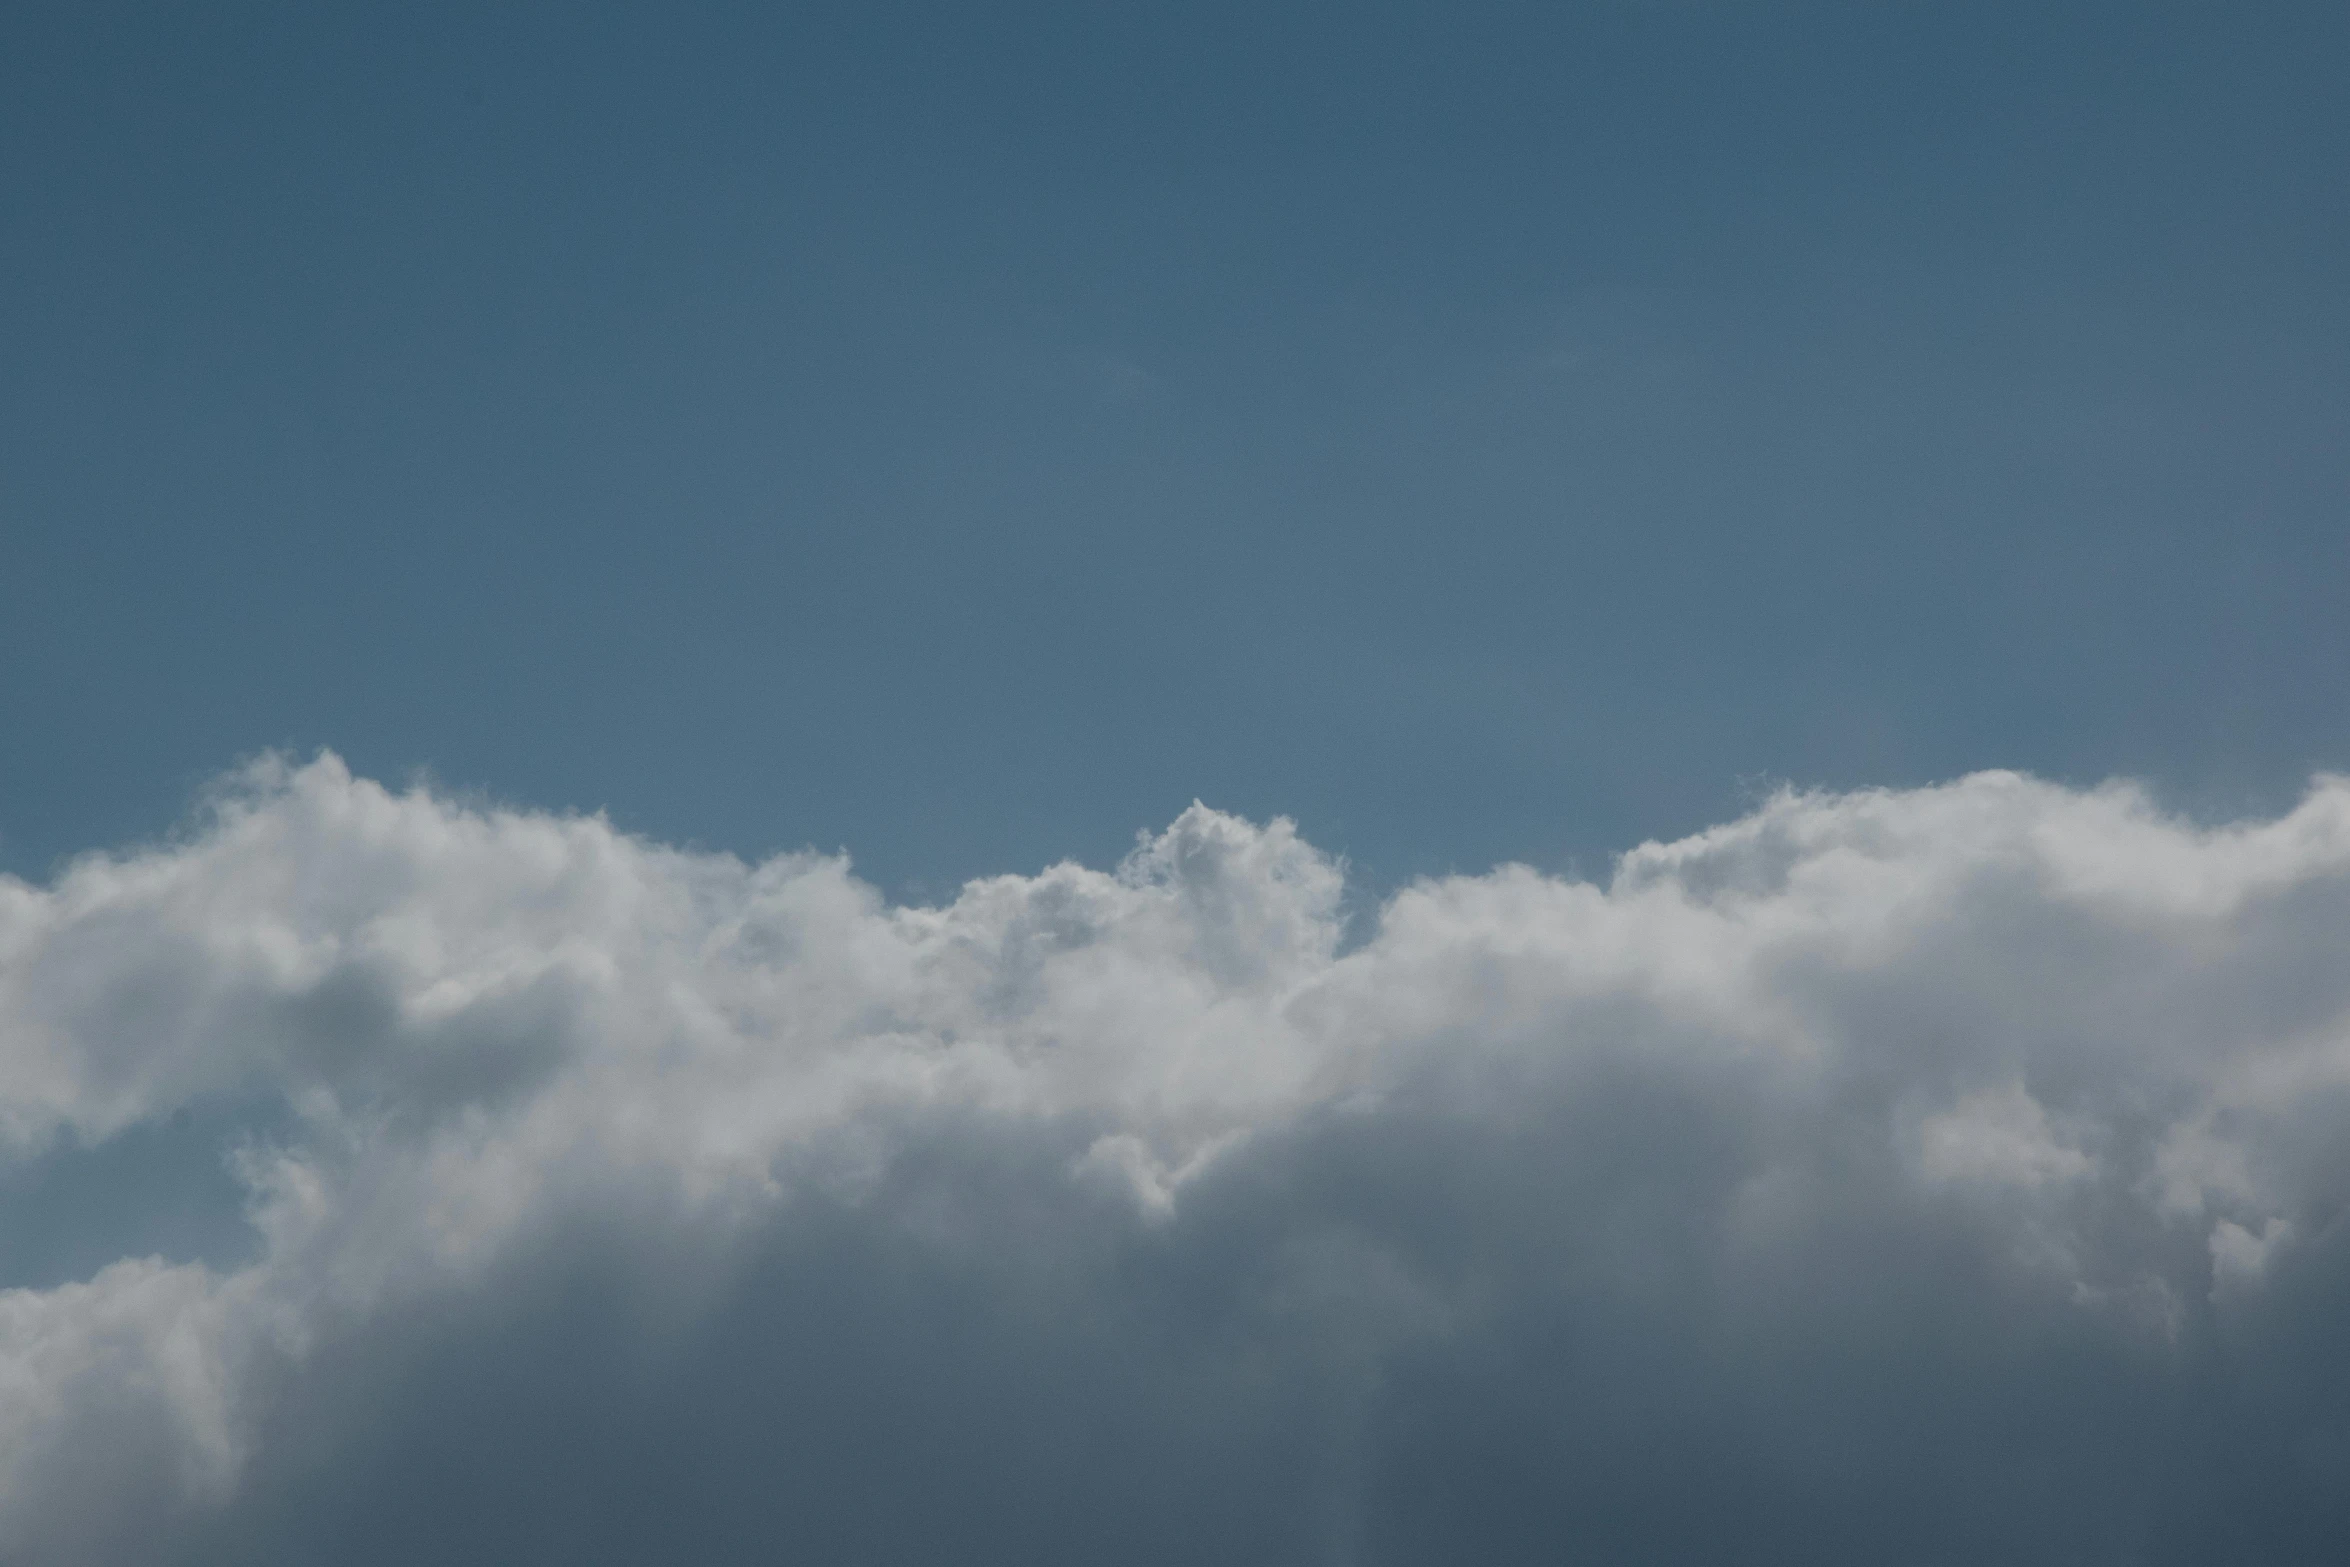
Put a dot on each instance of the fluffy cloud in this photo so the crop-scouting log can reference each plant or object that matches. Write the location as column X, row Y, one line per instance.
column 1943, row 1175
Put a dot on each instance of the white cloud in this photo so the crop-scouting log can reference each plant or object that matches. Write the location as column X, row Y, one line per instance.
column 2000, row 1136
column 2239, row 1257
column 1829, row 1070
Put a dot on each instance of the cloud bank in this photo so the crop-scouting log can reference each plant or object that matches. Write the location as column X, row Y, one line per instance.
column 1949, row 1175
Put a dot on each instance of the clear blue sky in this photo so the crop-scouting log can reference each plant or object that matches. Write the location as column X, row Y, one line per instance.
column 966, row 434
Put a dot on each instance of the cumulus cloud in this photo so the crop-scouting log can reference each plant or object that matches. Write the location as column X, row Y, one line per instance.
column 1943, row 1175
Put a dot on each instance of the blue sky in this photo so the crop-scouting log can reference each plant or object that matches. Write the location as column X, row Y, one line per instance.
column 1848, row 498
column 968, row 435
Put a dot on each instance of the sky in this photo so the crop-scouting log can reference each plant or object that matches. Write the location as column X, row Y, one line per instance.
column 1291, row 783
column 966, row 437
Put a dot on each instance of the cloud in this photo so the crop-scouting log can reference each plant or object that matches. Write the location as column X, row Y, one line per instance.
column 1944, row 1175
